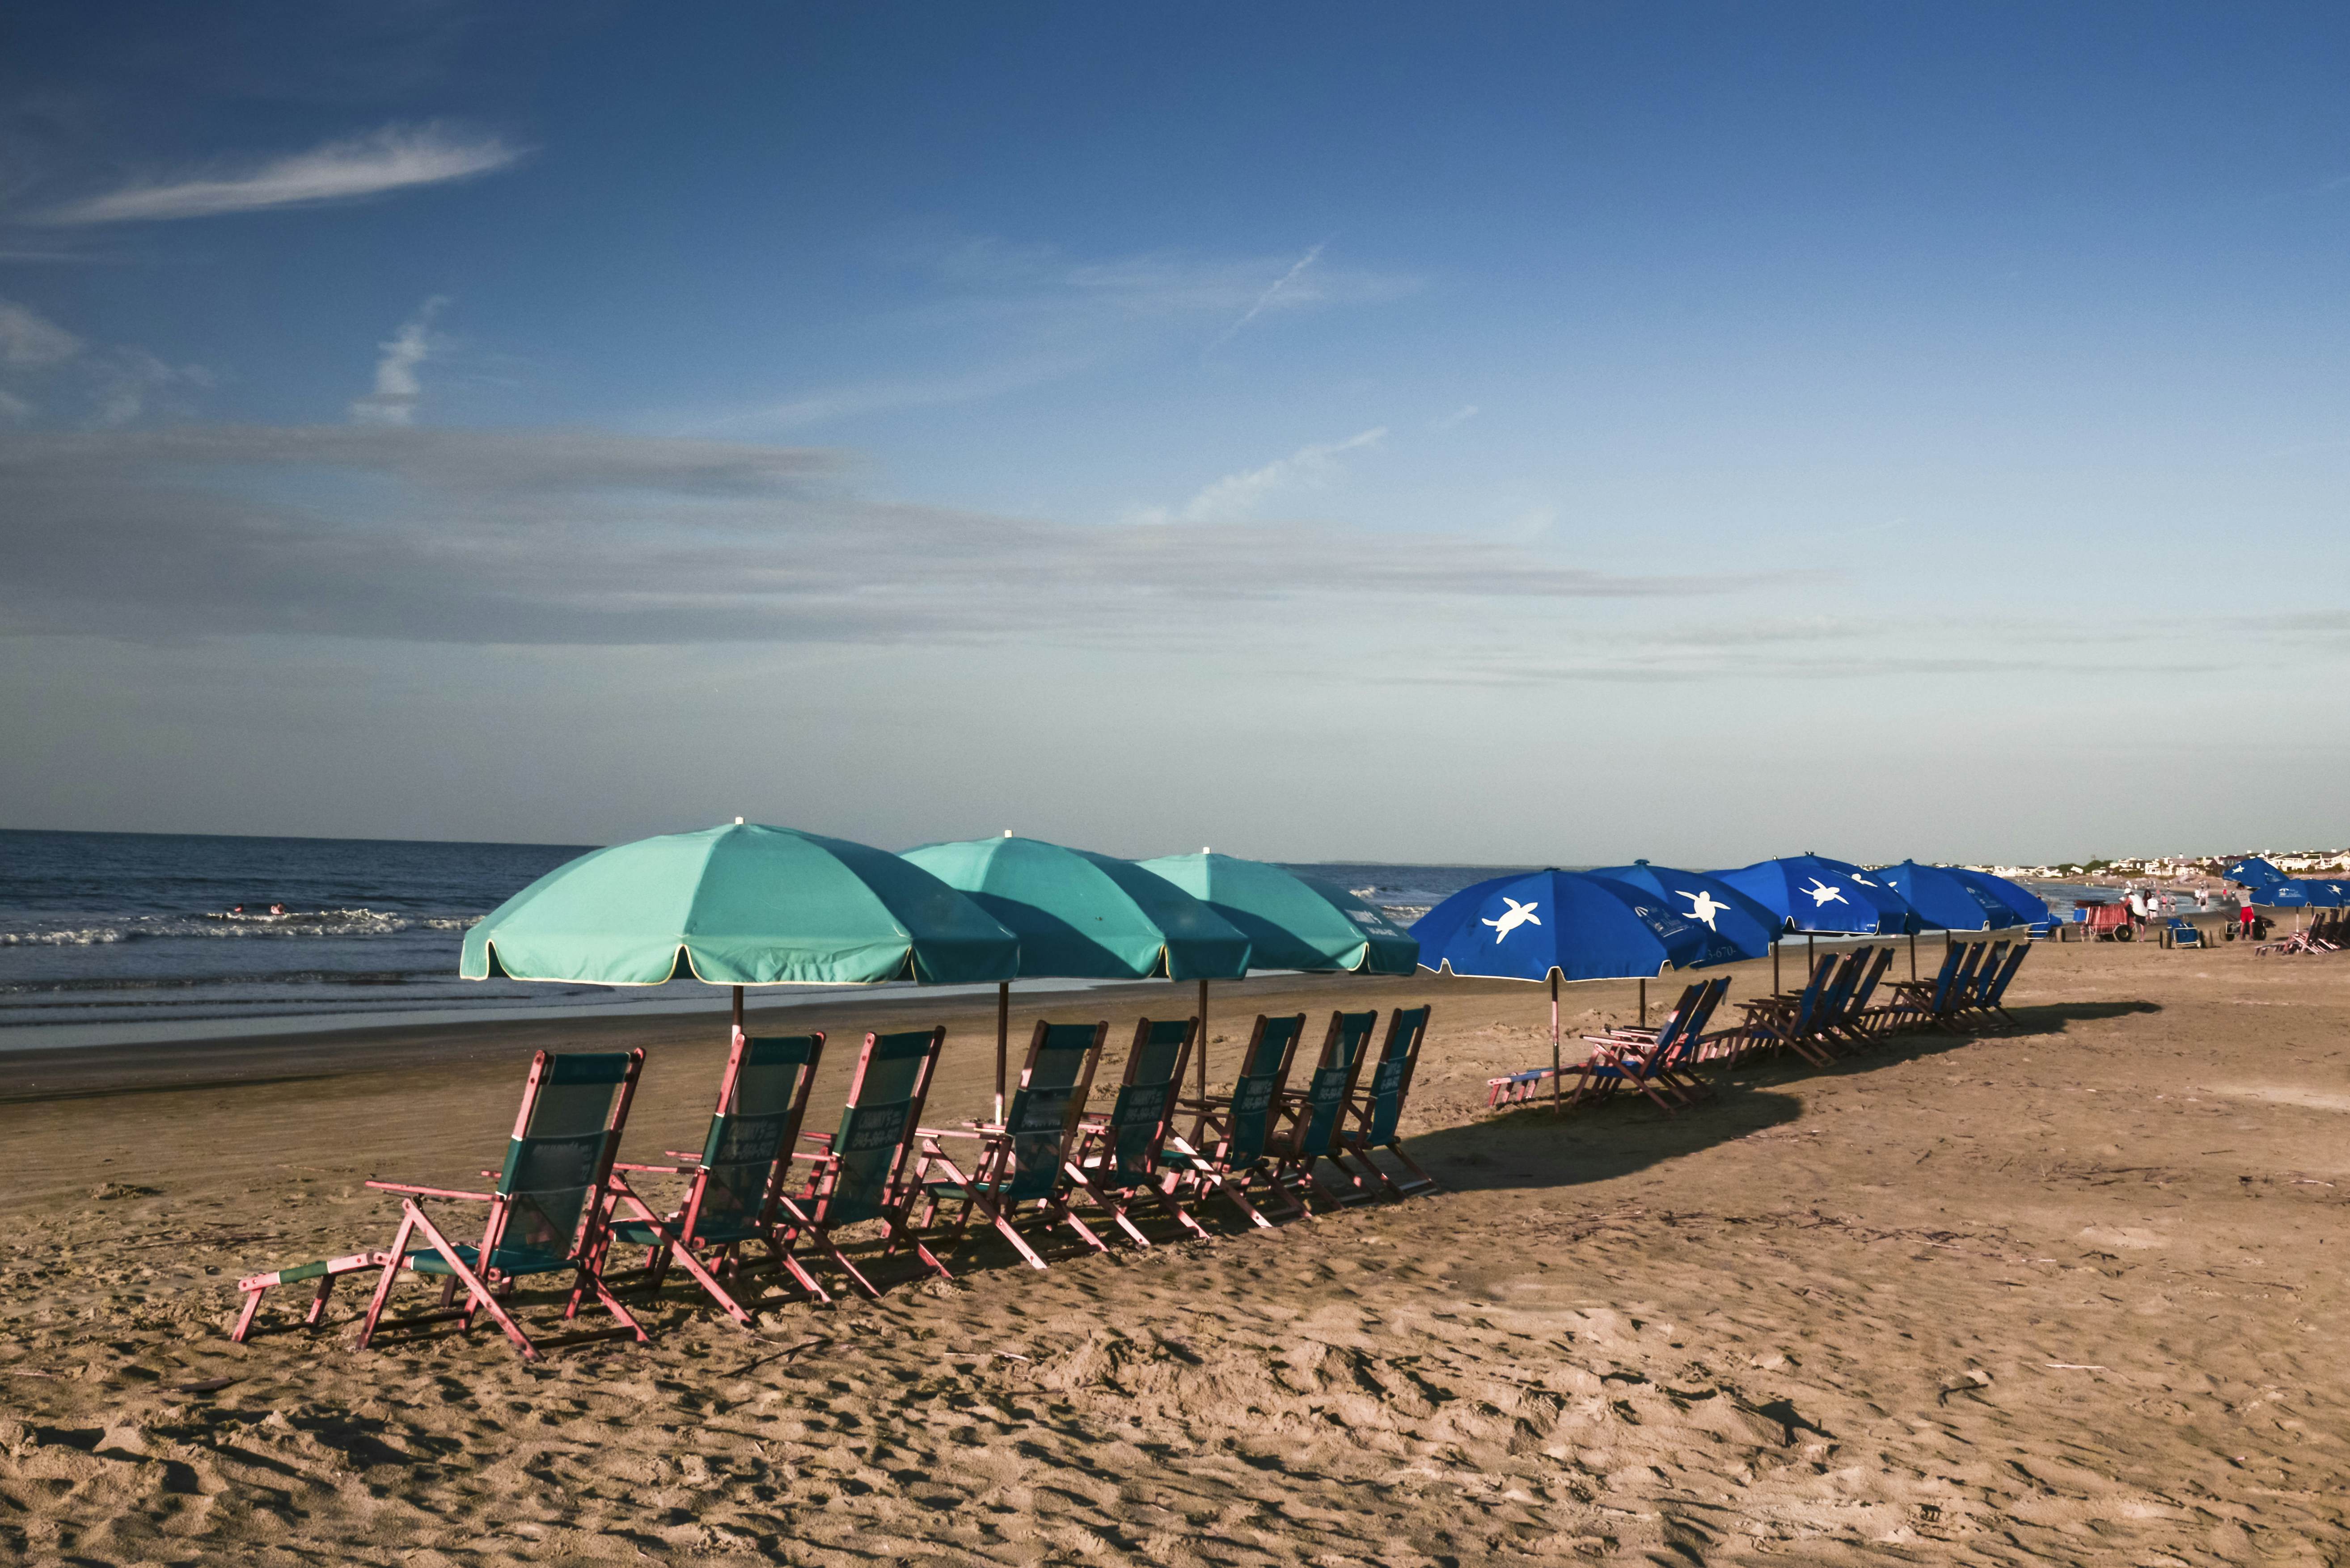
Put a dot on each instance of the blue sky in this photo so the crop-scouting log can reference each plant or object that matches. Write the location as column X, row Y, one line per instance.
column 1500, row 433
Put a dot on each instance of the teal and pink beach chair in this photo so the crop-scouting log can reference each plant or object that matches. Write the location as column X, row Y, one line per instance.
column 734, row 1182
column 1118, row 1158
column 1376, row 1112
column 1231, row 1134
column 1315, row 1116
column 1020, row 1170
column 863, row 1171
column 544, row 1212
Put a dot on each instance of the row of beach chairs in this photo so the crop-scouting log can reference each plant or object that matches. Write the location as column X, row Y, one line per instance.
column 2325, row 933
column 763, row 1200
column 1834, row 1014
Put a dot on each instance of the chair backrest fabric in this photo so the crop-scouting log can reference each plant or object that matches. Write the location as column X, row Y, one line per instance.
column 1987, row 973
column 877, row 1126
column 1271, row 1045
column 560, row 1156
column 750, row 1141
column 1391, row 1079
column 1138, row 1119
column 1046, row 1106
column 2015, row 958
column 1327, row 1093
column 1869, row 981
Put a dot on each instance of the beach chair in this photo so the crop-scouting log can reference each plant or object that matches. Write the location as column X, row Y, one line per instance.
column 1024, row 1159
column 1316, row 1113
column 1970, row 995
column 861, row 1169
column 1229, row 1133
column 1791, row 1020
column 1915, row 1000
column 1939, row 1001
column 1376, row 1110
column 1852, row 1020
column 734, row 1182
column 1117, row 1159
column 1994, row 994
column 1654, row 1060
column 545, row 1214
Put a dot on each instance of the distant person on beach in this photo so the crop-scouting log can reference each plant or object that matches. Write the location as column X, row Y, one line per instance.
column 276, row 908
column 2250, row 920
column 2136, row 902
column 2202, row 901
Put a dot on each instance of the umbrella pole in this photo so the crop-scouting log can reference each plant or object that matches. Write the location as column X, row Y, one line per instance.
column 1003, row 1042
column 738, row 1009
column 1554, row 1040
column 1203, row 1039
column 1913, row 955
column 1774, row 965
column 1644, row 1002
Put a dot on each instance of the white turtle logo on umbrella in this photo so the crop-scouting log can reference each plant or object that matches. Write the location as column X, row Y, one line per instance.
column 1704, row 905
column 1517, row 915
column 1823, row 894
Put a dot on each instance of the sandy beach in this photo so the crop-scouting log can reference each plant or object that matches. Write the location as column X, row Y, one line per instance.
column 2063, row 1295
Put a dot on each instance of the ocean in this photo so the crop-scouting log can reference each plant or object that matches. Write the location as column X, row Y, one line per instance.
column 113, row 938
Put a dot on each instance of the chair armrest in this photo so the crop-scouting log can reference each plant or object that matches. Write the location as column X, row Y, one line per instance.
column 431, row 1191
column 650, row 1169
column 950, row 1132
column 823, row 1138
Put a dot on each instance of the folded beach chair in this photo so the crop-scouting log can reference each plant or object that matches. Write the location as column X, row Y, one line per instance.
column 1117, row 1159
column 1375, row 1111
column 735, row 1182
column 1656, row 1062
column 544, row 1215
column 861, row 1169
column 1025, row 1160
column 1317, row 1115
column 1229, row 1134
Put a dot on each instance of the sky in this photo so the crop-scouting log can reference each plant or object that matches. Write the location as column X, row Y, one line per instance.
column 1500, row 434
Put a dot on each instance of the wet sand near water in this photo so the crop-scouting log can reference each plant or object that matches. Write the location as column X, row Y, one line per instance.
column 2065, row 1294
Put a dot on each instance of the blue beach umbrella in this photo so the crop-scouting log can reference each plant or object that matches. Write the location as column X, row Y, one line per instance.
column 1708, row 901
column 1562, row 925
column 2254, row 872
column 1944, row 899
column 2326, row 893
column 1820, row 897
column 2026, row 906
column 1814, row 894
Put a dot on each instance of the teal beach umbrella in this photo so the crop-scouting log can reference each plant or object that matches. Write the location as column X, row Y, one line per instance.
column 1083, row 916
column 741, row 905
column 1291, row 922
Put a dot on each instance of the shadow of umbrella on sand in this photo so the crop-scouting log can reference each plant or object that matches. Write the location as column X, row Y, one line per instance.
column 741, row 905
column 1563, row 926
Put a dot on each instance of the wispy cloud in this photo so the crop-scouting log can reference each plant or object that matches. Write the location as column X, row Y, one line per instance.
column 396, row 388
column 1238, row 495
column 1263, row 301
column 1457, row 418
column 102, row 386
column 883, row 397
column 395, row 157
column 29, row 338
column 421, row 535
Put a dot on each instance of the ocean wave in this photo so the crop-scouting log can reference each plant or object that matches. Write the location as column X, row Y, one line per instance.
column 294, row 924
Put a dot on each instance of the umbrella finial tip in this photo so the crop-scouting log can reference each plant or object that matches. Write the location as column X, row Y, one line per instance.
column 1007, row 833
column 1204, row 849
column 738, row 822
